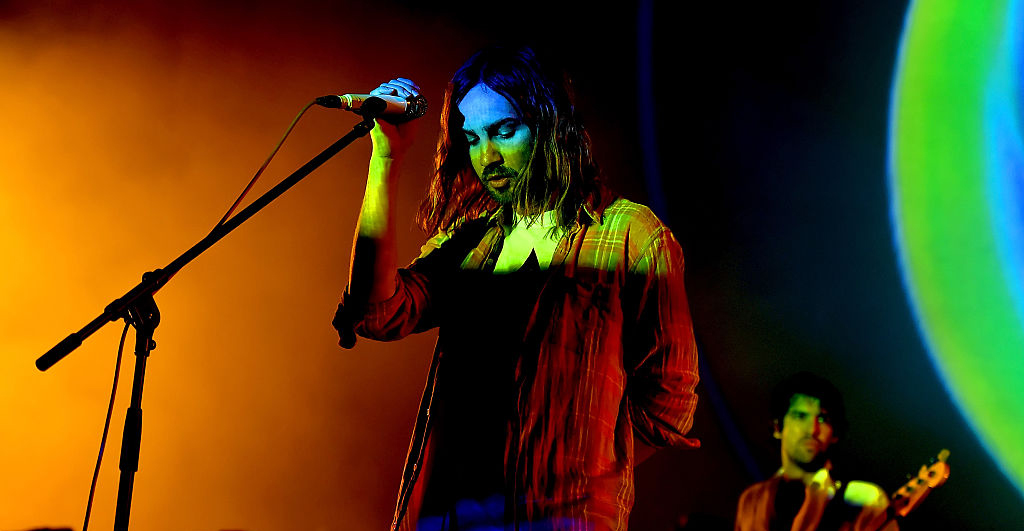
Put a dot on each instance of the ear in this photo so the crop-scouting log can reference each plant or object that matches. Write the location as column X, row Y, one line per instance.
column 778, row 430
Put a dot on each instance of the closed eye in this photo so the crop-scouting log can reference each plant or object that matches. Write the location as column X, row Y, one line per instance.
column 504, row 128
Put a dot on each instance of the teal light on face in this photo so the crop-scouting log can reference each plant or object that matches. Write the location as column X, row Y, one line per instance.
column 957, row 198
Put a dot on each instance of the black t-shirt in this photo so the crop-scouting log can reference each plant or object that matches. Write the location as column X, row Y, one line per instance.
column 790, row 497
column 475, row 398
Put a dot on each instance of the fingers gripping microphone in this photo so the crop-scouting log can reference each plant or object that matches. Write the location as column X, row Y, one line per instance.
column 391, row 108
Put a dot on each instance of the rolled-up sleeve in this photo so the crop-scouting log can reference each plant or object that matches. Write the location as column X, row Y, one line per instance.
column 408, row 311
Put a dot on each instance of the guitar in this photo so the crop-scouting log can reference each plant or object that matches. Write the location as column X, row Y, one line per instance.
column 930, row 477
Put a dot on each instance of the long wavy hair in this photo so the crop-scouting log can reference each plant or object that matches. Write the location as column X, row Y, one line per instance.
column 560, row 174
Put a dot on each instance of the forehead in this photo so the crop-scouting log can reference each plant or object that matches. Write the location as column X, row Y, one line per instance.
column 482, row 107
column 806, row 404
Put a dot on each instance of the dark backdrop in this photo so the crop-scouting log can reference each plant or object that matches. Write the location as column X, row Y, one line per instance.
column 771, row 125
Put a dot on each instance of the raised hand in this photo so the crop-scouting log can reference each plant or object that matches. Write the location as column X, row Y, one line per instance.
column 391, row 140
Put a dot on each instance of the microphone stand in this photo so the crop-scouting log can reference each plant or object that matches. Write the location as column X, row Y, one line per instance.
column 139, row 309
column 144, row 316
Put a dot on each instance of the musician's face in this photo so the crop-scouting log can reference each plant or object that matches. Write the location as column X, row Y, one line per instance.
column 500, row 143
column 806, row 433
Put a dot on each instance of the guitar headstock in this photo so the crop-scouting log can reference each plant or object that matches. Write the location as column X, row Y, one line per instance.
column 931, row 476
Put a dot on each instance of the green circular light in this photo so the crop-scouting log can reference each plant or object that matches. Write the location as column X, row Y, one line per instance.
column 956, row 190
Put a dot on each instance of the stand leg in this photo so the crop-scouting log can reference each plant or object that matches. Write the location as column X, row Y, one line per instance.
column 145, row 317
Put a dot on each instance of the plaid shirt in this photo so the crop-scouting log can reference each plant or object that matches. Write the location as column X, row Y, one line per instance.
column 613, row 358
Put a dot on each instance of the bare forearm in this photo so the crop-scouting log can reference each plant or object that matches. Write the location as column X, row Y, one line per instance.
column 373, row 266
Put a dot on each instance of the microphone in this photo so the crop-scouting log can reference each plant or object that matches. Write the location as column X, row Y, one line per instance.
column 393, row 108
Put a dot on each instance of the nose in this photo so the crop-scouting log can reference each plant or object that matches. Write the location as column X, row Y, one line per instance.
column 490, row 155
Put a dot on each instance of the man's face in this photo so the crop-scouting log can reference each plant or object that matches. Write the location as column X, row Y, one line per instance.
column 499, row 142
column 806, row 434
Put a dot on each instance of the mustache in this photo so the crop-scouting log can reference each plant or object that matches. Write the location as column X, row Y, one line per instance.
column 498, row 172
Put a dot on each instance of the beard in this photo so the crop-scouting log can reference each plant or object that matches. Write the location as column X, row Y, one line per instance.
column 811, row 463
column 506, row 194
column 815, row 464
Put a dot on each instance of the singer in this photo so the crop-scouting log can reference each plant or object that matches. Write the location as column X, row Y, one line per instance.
column 565, row 349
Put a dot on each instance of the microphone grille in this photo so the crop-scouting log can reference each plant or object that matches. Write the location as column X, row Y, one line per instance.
column 417, row 107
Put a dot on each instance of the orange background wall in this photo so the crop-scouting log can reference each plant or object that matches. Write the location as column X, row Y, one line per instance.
column 127, row 130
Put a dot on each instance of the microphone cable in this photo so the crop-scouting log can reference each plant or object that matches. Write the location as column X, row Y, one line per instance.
column 106, row 427
column 263, row 167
